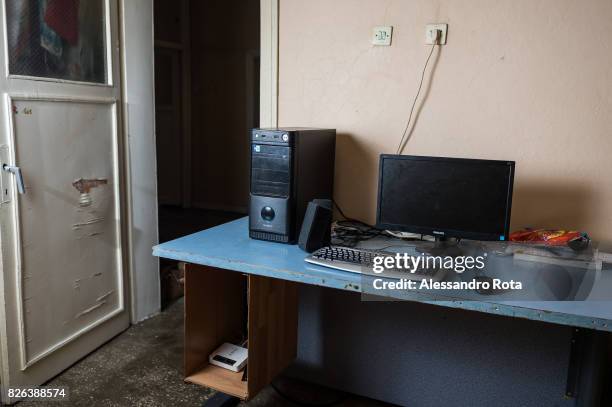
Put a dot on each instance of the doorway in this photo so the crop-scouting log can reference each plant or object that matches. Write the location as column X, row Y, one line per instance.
column 207, row 65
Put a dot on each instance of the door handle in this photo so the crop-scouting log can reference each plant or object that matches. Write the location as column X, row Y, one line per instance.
column 19, row 178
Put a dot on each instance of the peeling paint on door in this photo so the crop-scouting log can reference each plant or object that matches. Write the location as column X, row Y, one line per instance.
column 104, row 296
column 87, row 223
column 90, row 309
column 84, row 186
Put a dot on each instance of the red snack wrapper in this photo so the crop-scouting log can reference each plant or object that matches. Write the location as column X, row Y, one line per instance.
column 547, row 236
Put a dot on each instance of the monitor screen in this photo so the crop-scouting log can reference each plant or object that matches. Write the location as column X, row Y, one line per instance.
column 452, row 197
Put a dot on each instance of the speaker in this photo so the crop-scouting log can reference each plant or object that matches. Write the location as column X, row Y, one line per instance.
column 316, row 227
column 289, row 168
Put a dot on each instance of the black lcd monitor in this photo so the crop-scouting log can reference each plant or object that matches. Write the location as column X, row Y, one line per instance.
column 445, row 197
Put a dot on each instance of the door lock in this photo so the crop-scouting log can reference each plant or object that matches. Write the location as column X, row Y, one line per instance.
column 19, row 178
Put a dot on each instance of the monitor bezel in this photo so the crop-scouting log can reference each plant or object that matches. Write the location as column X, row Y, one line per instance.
column 443, row 232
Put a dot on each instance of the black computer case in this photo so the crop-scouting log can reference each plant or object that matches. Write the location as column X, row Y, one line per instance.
column 289, row 168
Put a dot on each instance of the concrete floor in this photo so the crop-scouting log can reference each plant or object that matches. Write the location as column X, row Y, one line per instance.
column 143, row 367
column 140, row 367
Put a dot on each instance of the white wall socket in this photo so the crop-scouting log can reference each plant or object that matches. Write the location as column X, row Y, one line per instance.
column 430, row 33
column 382, row 35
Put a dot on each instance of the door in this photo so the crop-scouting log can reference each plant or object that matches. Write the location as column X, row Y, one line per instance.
column 62, row 287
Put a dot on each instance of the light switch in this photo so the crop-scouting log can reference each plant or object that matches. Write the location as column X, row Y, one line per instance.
column 382, row 35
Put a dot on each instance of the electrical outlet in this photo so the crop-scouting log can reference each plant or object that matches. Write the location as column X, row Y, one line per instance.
column 430, row 35
column 382, row 35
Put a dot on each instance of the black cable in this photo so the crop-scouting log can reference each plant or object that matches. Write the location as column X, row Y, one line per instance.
column 304, row 404
column 349, row 219
column 382, row 249
column 342, row 212
column 349, row 231
column 401, row 144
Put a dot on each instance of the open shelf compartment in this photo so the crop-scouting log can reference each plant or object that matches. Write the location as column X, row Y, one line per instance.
column 224, row 306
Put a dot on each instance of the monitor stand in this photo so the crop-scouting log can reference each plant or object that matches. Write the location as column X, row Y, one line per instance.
column 441, row 247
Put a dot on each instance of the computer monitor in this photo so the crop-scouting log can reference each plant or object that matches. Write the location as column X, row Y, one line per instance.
column 445, row 197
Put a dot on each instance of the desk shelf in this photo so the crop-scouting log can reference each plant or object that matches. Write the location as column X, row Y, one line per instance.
column 224, row 306
column 220, row 379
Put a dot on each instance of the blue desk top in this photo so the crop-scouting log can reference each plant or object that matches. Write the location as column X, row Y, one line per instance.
column 229, row 247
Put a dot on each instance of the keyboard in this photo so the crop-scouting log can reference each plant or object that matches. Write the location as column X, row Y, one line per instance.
column 361, row 261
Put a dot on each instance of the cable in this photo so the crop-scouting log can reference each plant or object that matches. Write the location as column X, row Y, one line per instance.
column 382, row 249
column 349, row 233
column 342, row 213
column 400, row 147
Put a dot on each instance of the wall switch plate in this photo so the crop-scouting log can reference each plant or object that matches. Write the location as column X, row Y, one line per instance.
column 382, row 35
column 430, row 36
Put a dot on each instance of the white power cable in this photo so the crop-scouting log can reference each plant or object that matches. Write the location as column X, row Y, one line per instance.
column 436, row 41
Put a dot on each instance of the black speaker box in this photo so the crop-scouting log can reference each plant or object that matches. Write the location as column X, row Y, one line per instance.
column 316, row 227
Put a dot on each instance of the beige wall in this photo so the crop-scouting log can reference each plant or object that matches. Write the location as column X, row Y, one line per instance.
column 529, row 81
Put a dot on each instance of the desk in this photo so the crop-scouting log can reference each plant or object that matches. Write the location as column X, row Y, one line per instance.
column 273, row 268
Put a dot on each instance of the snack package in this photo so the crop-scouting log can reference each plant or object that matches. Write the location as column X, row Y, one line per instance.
column 549, row 237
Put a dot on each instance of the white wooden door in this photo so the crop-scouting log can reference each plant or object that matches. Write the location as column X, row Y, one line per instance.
column 62, row 288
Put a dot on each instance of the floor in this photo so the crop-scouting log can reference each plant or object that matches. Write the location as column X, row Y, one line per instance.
column 143, row 367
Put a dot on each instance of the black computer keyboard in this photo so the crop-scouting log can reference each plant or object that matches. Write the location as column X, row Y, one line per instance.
column 362, row 261
column 337, row 253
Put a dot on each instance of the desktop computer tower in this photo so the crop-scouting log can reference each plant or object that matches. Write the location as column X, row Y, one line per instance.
column 289, row 168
